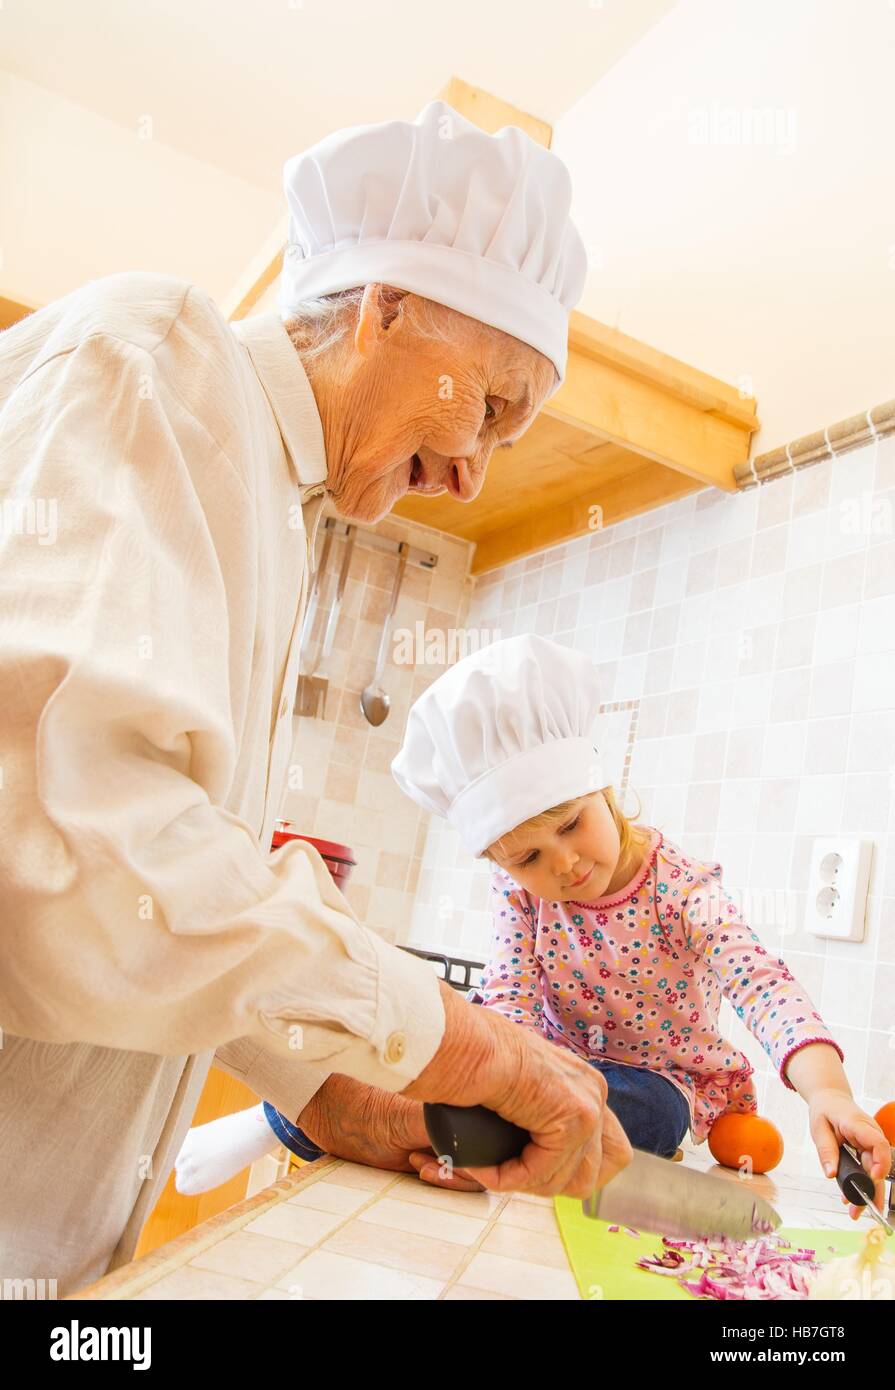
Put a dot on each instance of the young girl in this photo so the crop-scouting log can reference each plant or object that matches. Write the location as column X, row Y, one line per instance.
column 607, row 937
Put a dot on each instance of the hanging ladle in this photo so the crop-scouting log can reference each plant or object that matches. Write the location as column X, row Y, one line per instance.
column 374, row 701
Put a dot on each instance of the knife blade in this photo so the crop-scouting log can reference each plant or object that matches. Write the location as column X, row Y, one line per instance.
column 858, row 1187
column 650, row 1194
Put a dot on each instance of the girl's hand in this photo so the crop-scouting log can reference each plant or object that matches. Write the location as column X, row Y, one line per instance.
column 834, row 1116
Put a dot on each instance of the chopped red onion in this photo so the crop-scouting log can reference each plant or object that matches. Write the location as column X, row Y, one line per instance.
column 768, row 1268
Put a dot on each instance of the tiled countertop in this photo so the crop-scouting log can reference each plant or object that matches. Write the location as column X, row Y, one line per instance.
column 336, row 1230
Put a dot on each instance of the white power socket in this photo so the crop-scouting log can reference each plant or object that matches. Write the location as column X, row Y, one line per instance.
column 837, row 887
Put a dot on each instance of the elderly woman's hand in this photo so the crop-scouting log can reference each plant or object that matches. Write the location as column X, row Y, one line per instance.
column 577, row 1143
column 350, row 1120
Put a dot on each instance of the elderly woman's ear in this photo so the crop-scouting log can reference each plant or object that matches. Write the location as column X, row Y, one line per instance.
column 381, row 315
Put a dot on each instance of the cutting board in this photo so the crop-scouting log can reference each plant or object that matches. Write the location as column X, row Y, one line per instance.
column 605, row 1263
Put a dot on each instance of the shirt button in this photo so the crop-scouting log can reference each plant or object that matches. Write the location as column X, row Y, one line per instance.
column 395, row 1047
column 284, row 708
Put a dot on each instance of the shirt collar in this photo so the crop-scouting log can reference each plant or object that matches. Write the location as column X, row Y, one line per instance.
column 286, row 385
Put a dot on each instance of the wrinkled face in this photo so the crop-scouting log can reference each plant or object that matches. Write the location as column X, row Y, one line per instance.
column 575, row 860
column 421, row 414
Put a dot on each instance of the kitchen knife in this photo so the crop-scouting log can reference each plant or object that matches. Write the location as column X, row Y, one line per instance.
column 856, row 1184
column 649, row 1194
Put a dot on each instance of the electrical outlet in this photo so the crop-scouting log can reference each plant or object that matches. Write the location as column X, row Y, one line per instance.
column 837, row 887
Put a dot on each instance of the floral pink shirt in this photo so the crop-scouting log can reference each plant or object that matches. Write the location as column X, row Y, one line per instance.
column 636, row 978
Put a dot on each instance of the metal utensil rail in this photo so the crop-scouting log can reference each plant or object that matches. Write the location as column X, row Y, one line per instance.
column 452, row 965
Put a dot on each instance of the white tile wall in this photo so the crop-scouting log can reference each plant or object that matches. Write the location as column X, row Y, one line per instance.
column 756, row 631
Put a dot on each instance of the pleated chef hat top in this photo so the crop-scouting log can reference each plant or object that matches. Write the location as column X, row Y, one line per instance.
column 503, row 735
column 436, row 206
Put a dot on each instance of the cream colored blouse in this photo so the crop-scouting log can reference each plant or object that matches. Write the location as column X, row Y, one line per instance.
column 161, row 476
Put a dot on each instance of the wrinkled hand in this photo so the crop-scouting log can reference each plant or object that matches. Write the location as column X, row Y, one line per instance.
column 577, row 1144
column 379, row 1128
column 834, row 1117
column 616, row 1153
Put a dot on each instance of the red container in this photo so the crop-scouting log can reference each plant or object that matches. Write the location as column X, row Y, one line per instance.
column 338, row 858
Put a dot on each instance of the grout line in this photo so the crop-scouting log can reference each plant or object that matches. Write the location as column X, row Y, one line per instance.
column 349, row 1216
column 473, row 1250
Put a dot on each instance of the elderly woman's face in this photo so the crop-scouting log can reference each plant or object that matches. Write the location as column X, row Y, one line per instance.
column 421, row 414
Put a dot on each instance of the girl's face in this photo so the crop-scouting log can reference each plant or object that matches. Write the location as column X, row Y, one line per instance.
column 577, row 859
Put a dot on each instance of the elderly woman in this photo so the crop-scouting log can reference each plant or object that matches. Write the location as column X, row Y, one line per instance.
column 148, row 670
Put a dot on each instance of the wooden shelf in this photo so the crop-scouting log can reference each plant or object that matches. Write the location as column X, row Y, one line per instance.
column 631, row 428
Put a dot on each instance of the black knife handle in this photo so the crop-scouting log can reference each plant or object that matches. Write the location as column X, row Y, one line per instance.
column 472, row 1136
column 854, row 1182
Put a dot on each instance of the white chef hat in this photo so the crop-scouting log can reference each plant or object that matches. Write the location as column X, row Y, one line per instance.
column 436, row 206
column 503, row 735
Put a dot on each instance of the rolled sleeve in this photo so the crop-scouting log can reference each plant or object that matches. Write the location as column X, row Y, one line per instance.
column 401, row 1041
column 284, row 1082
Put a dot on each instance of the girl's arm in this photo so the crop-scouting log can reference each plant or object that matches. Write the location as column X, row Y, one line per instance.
column 764, row 994
column 816, row 1067
column 511, row 979
column 817, row 1074
column 778, row 1011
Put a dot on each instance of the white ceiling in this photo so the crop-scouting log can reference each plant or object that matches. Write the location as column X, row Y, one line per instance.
column 244, row 84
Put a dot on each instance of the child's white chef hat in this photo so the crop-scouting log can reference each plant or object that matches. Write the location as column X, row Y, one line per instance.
column 437, row 206
column 503, row 735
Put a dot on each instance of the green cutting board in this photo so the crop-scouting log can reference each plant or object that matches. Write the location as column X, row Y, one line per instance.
column 605, row 1263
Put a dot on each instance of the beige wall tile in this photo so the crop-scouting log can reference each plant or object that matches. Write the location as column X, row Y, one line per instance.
column 769, row 552
column 349, row 747
column 380, row 751
column 358, row 895
column 391, row 871
column 341, row 783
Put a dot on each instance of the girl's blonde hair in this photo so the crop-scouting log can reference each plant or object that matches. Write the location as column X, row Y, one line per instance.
column 631, row 835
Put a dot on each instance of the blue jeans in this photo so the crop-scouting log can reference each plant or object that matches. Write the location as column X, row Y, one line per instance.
column 653, row 1113
column 650, row 1109
column 289, row 1134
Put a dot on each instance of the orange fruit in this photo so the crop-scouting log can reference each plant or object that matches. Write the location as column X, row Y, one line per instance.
column 885, row 1118
column 734, row 1138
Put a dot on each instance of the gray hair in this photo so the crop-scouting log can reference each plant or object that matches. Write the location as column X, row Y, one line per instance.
column 317, row 325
